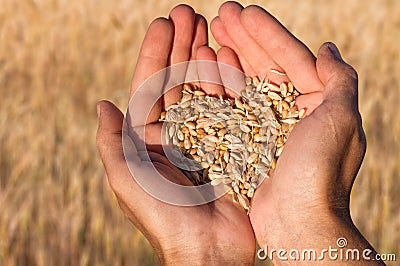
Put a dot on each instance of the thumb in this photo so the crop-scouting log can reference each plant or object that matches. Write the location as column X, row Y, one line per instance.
column 339, row 78
column 341, row 99
column 109, row 138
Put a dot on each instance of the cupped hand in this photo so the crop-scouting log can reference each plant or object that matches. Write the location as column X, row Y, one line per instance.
column 216, row 232
column 305, row 202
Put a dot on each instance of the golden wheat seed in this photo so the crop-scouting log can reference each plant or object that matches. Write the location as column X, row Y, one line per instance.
column 199, row 93
column 204, row 137
column 277, row 72
column 302, row 112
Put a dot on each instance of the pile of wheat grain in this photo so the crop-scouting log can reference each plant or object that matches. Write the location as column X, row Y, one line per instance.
column 233, row 142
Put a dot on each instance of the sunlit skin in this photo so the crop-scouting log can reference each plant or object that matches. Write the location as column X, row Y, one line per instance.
column 305, row 202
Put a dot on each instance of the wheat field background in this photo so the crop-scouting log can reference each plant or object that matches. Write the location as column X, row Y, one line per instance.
column 59, row 57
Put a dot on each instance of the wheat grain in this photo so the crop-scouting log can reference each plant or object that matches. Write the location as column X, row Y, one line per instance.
column 236, row 141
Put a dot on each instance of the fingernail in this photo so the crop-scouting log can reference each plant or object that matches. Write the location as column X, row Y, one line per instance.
column 98, row 110
column 334, row 50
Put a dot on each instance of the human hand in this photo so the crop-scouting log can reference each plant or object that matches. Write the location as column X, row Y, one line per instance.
column 217, row 232
column 305, row 202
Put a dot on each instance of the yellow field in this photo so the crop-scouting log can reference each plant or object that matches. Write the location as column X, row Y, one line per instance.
column 58, row 58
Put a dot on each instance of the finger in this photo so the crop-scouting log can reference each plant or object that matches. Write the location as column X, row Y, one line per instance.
column 200, row 35
column 153, row 138
column 112, row 152
column 341, row 86
column 109, row 143
column 233, row 81
column 340, row 96
column 309, row 101
column 223, row 39
column 153, row 57
column 200, row 38
column 209, row 77
column 257, row 57
column 183, row 19
column 286, row 50
column 339, row 78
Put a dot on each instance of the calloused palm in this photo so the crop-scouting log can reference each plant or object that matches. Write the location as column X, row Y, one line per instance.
column 316, row 170
column 175, row 232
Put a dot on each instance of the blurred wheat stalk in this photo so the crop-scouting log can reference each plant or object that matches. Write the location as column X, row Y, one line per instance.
column 58, row 58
